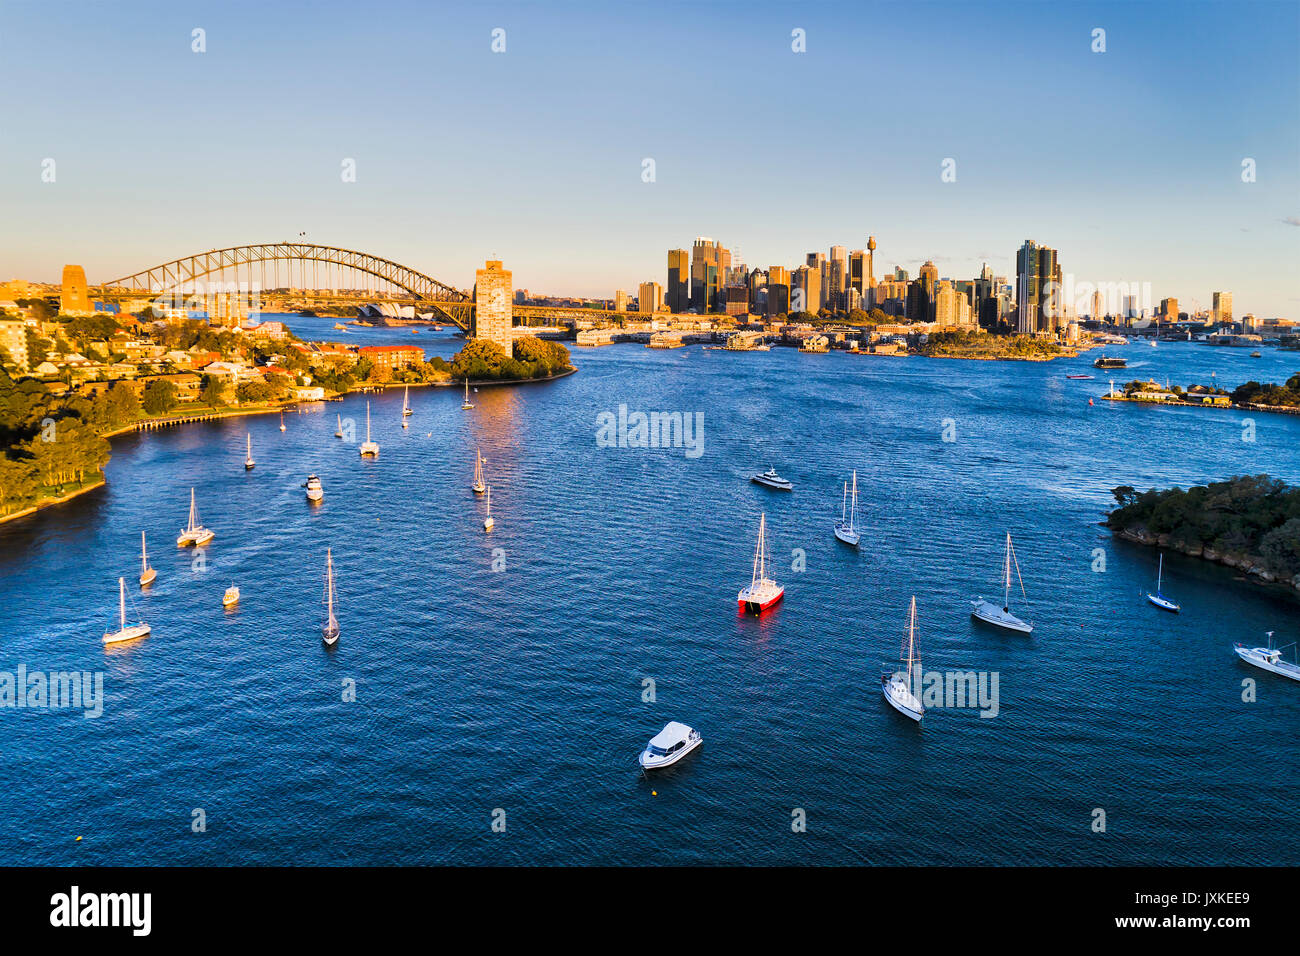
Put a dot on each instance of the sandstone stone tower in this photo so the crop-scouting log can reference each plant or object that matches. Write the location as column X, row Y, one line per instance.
column 74, row 297
column 493, row 305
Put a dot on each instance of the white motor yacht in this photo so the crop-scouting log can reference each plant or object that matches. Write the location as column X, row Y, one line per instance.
column 770, row 479
column 670, row 745
column 1268, row 658
column 314, row 490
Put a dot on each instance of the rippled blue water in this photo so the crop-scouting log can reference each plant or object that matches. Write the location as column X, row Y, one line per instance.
column 522, row 689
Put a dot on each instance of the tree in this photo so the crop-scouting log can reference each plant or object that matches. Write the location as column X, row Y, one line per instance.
column 159, row 397
column 254, row 392
column 214, row 392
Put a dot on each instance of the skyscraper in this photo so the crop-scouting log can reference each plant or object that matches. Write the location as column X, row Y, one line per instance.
column 650, row 297
column 1222, row 307
column 679, row 280
column 807, row 294
column 778, row 291
column 707, row 258
column 493, row 311
column 1038, row 277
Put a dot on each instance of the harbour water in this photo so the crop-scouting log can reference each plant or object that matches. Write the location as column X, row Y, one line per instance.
column 517, row 694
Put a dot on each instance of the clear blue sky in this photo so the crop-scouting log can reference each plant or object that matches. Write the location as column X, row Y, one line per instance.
column 1128, row 161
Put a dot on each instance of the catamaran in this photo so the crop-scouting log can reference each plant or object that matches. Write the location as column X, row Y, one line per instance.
column 762, row 592
column 898, row 686
column 1002, row 617
column 489, row 522
column 1269, row 658
column 479, row 487
column 844, row 528
column 194, row 532
column 406, row 407
column 124, row 633
column 329, row 632
column 248, row 462
column 369, row 449
column 338, row 433
column 147, row 574
column 466, row 403
column 1158, row 599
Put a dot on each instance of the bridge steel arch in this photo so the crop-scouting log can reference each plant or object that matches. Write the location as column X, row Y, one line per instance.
column 176, row 275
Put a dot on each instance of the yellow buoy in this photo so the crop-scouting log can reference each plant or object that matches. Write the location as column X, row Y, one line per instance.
column 653, row 793
column 78, row 839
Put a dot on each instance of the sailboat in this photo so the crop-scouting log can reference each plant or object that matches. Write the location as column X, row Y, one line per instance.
column 844, row 529
column 406, row 404
column 338, row 433
column 1002, row 617
column 467, row 403
column 124, row 633
column 248, row 462
column 1268, row 658
column 489, row 522
column 369, row 449
column 147, row 574
column 762, row 592
column 329, row 632
column 194, row 532
column 282, row 421
column 1158, row 599
column 478, row 485
column 898, row 687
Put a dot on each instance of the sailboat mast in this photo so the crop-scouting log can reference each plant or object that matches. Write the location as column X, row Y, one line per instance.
column 1160, row 571
column 144, row 555
column 853, row 508
column 1006, row 594
column 329, row 582
column 121, row 603
column 844, row 506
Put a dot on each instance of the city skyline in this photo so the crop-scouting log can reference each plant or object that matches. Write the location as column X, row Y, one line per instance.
column 1144, row 182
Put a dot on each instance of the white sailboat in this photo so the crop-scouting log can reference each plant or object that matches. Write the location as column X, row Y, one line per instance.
column 489, row 522
column 466, row 403
column 1002, row 617
column 124, row 633
column 338, row 432
column 194, row 532
column 1158, row 599
column 147, row 574
column 762, row 592
column 282, row 421
column 844, row 528
column 406, row 403
column 369, row 449
column 329, row 632
column 479, row 487
column 1268, row 658
column 898, row 687
column 248, row 462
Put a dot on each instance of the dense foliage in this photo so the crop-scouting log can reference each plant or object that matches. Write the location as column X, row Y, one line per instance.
column 1247, row 515
column 979, row 344
column 1270, row 394
column 482, row 360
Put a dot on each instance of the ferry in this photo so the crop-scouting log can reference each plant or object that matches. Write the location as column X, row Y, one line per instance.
column 670, row 745
column 1109, row 361
column 770, row 479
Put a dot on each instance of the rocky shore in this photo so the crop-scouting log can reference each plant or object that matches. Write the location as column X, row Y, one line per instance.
column 1248, row 564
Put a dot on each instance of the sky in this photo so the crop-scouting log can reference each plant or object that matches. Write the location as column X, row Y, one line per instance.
column 1129, row 161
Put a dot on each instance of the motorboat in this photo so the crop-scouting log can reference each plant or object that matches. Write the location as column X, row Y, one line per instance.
column 770, row 479
column 670, row 745
column 314, row 490
column 1268, row 658
column 762, row 592
column 123, row 632
column 231, row 597
column 1109, row 361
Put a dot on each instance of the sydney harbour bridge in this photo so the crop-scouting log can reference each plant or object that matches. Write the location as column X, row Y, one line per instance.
column 311, row 276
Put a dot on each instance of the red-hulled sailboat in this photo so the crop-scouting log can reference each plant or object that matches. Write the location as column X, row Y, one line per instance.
column 762, row 592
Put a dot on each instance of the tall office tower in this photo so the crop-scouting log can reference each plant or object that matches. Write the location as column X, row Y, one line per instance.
column 839, row 270
column 1098, row 306
column 945, row 303
column 981, row 291
column 1169, row 309
column 493, row 309
column 620, row 300
column 723, row 261
column 917, row 304
column 900, row 274
column 778, row 291
column 858, row 270
column 757, row 281
column 736, row 298
column 650, row 298
column 807, row 290
column 1036, row 273
column 1222, row 311
column 929, row 276
column 814, row 260
column 74, row 297
column 706, row 260
column 678, row 290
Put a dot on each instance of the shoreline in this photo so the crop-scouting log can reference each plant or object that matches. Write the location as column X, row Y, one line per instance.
column 1249, row 565
column 1241, row 407
column 146, row 424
